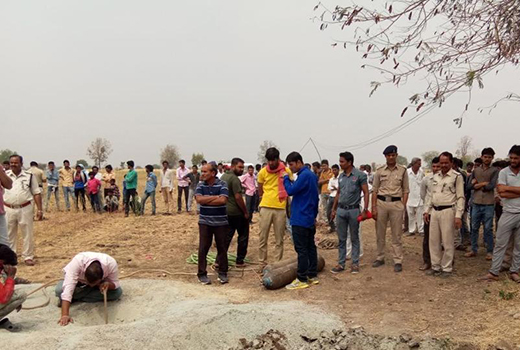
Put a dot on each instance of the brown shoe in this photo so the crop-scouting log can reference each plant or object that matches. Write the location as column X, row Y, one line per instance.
column 471, row 254
column 29, row 262
column 489, row 256
column 425, row 267
column 514, row 277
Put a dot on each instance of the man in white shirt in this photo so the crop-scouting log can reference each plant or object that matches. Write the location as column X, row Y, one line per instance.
column 183, row 185
column 221, row 172
column 167, row 185
column 415, row 204
column 333, row 191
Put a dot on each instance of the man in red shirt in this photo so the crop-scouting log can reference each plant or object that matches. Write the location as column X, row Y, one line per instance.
column 9, row 300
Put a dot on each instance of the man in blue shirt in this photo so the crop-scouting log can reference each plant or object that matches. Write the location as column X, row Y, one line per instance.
column 149, row 191
column 212, row 195
column 53, row 179
column 346, row 208
column 304, row 209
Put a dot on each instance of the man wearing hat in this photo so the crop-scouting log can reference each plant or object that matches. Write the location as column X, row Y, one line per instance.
column 389, row 197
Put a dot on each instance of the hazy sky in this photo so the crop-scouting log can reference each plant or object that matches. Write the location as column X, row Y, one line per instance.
column 214, row 76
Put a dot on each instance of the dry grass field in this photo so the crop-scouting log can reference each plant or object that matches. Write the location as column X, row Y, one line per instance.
column 460, row 308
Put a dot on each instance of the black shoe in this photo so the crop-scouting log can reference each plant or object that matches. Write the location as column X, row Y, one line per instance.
column 223, row 278
column 378, row 263
column 445, row 274
column 433, row 273
column 204, row 280
column 398, row 268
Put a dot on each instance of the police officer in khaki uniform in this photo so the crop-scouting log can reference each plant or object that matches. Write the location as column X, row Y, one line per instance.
column 18, row 202
column 389, row 197
column 444, row 208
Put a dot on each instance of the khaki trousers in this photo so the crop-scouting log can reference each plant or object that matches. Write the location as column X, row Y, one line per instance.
column 442, row 233
column 21, row 218
column 393, row 212
column 276, row 218
column 167, row 196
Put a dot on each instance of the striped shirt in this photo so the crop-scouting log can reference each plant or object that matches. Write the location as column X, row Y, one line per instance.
column 212, row 215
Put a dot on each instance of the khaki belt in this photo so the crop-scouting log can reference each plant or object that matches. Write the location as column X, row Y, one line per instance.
column 17, row 206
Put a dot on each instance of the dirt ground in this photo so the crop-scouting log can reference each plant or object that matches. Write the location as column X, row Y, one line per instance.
column 383, row 302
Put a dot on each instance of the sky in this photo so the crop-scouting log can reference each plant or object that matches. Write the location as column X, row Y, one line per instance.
column 210, row 76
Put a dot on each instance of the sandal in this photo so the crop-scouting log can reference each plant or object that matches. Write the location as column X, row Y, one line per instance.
column 514, row 277
column 8, row 326
column 489, row 278
column 19, row 280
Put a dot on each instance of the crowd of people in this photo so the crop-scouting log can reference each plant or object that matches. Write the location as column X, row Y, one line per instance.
column 447, row 205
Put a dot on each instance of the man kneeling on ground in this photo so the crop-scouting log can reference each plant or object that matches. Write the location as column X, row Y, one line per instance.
column 9, row 299
column 87, row 277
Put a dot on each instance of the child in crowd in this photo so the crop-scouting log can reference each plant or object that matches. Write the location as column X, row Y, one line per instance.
column 111, row 202
column 93, row 187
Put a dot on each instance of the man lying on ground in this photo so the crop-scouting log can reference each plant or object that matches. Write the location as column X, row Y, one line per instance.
column 87, row 276
column 9, row 300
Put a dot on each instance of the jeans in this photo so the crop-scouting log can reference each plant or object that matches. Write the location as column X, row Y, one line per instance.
column 84, row 293
column 330, row 204
column 250, row 205
column 205, row 240
column 68, row 190
column 79, row 194
column 347, row 222
column 186, row 191
column 143, row 201
column 94, row 201
column 4, row 236
column 50, row 191
column 482, row 214
column 240, row 224
column 303, row 239
column 129, row 193
column 191, row 195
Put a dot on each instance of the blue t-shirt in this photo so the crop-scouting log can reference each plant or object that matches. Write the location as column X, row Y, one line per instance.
column 212, row 215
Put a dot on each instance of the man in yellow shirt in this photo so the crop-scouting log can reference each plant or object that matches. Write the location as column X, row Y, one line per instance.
column 273, row 201
column 67, row 182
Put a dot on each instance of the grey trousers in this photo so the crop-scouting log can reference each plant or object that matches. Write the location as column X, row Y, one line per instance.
column 508, row 226
column 16, row 300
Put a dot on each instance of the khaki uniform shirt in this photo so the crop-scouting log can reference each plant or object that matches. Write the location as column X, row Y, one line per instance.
column 38, row 174
column 66, row 177
column 24, row 188
column 391, row 182
column 447, row 190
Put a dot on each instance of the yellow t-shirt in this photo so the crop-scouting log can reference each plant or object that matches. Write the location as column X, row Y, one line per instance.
column 269, row 181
